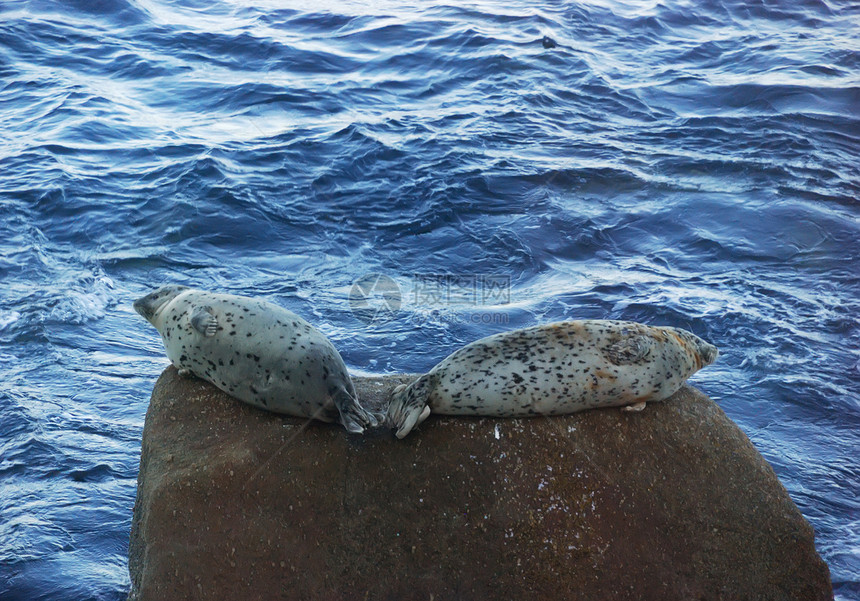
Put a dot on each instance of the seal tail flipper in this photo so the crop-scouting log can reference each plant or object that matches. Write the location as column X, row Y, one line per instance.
column 413, row 417
column 395, row 406
column 352, row 415
column 409, row 405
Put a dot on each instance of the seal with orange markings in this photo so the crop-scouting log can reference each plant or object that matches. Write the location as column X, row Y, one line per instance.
column 554, row 369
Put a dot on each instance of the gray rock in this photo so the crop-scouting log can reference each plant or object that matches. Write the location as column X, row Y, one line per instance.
column 670, row 503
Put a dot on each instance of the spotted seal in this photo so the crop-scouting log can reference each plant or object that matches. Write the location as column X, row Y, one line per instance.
column 554, row 369
column 256, row 351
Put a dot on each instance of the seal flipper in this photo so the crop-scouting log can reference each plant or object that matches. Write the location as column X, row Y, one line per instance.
column 635, row 406
column 204, row 321
column 352, row 415
column 412, row 419
column 632, row 348
column 410, row 405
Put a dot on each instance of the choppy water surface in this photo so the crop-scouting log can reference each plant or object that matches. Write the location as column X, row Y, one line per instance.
column 692, row 164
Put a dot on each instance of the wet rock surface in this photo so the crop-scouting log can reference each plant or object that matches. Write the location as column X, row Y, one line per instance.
column 670, row 503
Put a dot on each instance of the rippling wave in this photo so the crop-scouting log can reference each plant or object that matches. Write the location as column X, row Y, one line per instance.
column 693, row 164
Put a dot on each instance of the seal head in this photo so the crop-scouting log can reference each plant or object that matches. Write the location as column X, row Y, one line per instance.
column 701, row 353
column 149, row 305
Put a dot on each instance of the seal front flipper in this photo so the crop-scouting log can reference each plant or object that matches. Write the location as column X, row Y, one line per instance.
column 204, row 321
column 635, row 406
column 630, row 349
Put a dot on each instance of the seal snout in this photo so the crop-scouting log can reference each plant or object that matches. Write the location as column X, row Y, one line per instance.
column 708, row 352
column 143, row 308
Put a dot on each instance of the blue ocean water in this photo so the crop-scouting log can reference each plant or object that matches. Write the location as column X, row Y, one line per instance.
column 679, row 163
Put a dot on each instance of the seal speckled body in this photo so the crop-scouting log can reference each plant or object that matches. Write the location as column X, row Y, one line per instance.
column 256, row 351
column 554, row 369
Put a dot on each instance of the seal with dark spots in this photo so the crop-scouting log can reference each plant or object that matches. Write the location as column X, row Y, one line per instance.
column 554, row 369
column 255, row 351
